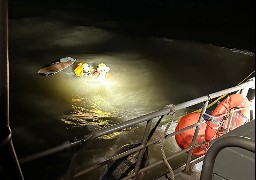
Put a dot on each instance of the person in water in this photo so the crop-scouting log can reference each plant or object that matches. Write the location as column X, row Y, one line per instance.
column 83, row 69
column 101, row 71
column 88, row 70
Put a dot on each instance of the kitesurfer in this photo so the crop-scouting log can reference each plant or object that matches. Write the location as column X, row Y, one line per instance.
column 83, row 69
column 88, row 70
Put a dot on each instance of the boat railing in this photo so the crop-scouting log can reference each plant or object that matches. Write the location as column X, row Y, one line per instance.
column 153, row 117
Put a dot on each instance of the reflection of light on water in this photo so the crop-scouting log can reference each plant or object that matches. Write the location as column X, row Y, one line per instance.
column 131, row 85
column 105, row 83
column 97, row 84
column 93, row 118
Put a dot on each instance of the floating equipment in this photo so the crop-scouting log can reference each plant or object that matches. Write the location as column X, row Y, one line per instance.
column 56, row 67
column 222, row 112
column 184, row 139
column 79, row 70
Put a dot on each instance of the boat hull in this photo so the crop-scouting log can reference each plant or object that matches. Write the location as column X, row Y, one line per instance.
column 55, row 68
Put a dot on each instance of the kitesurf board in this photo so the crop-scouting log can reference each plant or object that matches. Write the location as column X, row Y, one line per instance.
column 57, row 66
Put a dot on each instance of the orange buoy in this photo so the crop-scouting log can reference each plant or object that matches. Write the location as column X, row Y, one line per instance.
column 184, row 139
column 239, row 117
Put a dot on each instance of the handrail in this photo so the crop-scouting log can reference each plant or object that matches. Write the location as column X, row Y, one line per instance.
column 229, row 141
column 195, row 135
column 139, row 148
column 150, row 116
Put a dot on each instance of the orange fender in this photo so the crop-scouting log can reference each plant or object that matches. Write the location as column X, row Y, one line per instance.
column 239, row 118
column 184, row 139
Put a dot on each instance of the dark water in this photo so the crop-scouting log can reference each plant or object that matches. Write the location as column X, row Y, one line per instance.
column 148, row 73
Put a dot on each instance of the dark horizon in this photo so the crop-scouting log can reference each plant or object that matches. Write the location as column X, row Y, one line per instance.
column 227, row 24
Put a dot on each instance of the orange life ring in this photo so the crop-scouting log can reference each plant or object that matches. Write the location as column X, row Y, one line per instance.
column 239, row 117
column 184, row 139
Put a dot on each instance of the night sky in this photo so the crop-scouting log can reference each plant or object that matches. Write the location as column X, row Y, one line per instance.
column 224, row 23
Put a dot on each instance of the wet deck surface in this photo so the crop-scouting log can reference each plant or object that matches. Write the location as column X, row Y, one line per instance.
column 183, row 176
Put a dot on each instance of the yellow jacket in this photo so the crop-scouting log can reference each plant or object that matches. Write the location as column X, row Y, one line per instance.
column 79, row 70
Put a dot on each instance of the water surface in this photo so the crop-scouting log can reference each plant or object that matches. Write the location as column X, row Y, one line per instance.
column 147, row 74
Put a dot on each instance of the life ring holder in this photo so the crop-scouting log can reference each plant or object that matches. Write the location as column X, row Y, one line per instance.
column 235, row 102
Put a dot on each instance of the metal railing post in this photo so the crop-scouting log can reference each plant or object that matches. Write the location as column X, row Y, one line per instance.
column 8, row 159
column 142, row 151
column 231, row 113
column 188, row 166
